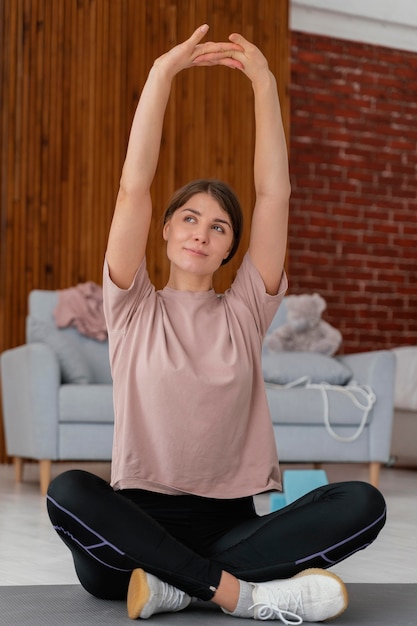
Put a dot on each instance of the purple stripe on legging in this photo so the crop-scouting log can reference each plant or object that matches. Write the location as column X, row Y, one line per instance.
column 322, row 554
column 88, row 549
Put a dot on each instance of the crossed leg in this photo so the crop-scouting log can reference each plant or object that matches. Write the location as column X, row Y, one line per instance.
column 109, row 536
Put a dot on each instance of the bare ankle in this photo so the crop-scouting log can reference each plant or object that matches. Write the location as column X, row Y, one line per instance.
column 227, row 593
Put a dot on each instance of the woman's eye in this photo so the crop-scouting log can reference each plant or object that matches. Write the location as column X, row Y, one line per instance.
column 189, row 218
column 219, row 229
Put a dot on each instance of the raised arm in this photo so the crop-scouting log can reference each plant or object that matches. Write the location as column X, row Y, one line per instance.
column 132, row 216
column 268, row 239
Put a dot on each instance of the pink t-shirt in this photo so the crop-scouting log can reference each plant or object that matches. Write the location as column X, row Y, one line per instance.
column 191, row 413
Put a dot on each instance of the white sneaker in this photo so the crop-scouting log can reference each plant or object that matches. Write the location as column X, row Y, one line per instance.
column 313, row 595
column 148, row 595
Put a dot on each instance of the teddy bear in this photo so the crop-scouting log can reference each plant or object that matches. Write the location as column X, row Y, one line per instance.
column 304, row 330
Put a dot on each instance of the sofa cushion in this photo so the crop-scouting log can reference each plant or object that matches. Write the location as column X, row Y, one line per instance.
column 86, row 403
column 42, row 304
column 96, row 355
column 74, row 368
column 283, row 368
column 306, row 406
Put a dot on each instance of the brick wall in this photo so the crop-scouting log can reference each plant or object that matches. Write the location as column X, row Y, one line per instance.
column 353, row 225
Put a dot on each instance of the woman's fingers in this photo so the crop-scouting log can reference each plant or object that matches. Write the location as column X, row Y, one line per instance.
column 232, row 53
column 208, row 48
column 218, row 47
column 252, row 59
column 218, row 52
column 199, row 33
column 238, row 52
column 239, row 39
column 221, row 57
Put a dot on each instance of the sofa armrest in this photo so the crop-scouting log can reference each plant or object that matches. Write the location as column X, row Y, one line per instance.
column 31, row 378
column 377, row 369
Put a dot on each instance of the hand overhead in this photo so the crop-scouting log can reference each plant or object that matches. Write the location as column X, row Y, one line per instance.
column 243, row 55
column 191, row 52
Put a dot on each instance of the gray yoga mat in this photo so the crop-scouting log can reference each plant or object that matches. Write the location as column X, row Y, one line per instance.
column 70, row 605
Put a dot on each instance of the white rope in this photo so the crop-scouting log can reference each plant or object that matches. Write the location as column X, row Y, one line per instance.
column 363, row 390
column 350, row 390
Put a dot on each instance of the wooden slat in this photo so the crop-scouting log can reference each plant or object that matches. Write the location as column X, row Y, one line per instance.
column 71, row 72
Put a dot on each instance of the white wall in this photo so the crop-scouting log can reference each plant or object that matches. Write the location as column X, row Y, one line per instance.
column 391, row 23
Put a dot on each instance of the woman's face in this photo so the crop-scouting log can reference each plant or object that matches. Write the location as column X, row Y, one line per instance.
column 199, row 235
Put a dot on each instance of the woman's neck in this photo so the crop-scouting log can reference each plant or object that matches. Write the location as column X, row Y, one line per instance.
column 183, row 281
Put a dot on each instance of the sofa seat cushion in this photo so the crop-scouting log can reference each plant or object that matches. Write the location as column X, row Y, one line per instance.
column 315, row 445
column 283, row 368
column 86, row 403
column 304, row 406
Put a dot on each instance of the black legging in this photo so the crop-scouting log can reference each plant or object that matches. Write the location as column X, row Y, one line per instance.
column 188, row 540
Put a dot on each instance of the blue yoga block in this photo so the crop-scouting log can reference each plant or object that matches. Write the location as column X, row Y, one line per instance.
column 277, row 501
column 297, row 483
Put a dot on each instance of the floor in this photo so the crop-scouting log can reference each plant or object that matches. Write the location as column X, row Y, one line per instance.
column 32, row 554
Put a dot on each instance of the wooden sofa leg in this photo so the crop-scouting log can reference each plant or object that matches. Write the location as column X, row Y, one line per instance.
column 374, row 471
column 45, row 474
column 18, row 468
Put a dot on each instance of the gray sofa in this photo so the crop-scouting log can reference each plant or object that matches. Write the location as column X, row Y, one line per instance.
column 57, row 399
column 404, row 433
column 57, row 393
column 298, row 408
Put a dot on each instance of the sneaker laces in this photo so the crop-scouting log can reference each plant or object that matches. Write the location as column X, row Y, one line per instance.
column 171, row 597
column 278, row 607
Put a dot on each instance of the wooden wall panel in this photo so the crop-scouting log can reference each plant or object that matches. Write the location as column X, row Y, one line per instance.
column 70, row 76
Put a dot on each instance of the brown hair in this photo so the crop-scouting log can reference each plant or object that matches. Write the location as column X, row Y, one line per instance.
column 223, row 194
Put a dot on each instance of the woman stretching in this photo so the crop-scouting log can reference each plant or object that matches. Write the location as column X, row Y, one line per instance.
column 193, row 439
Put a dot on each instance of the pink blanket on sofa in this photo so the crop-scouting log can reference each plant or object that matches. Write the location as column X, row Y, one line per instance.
column 82, row 307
